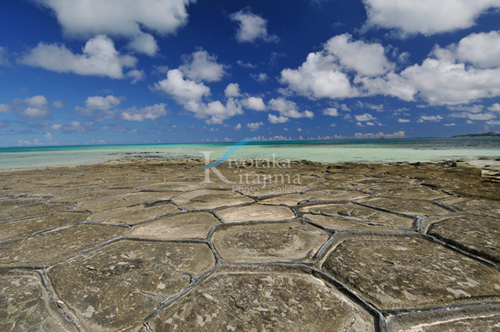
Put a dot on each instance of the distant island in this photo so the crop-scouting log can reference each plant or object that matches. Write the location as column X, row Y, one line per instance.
column 490, row 134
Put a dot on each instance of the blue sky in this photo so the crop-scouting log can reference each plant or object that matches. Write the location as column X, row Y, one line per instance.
column 173, row 71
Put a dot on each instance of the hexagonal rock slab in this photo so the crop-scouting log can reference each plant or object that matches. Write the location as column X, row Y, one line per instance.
column 117, row 285
column 262, row 300
column 189, row 225
column 53, row 246
column 406, row 206
column 315, row 195
column 33, row 211
column 478, row 234
column 91, row 195
column 407, row 271
column 210, row 199
column 125, row 200
column 409, row 192
column 133, row 214
column 360, row 212
column 255, row 212
column 25, row 305
column 338, row 224
column 12, row 203
column 268, row 242
column 26, row 227
column 476, row 206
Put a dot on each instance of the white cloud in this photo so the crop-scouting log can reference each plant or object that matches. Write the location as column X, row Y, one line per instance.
column 102, row 103
column 48, row 136
column 288, row 108
column 201, row 66
column 254, row 126
column 99, row 58
column 399, row 134
column 432, row 118
column 246, row 64
column 450, row 124
column 364, row 58
column 331, row 112
column 481, row 49
column 403, row 120
column 425, row 16
column 493, row 122
column 215, row 112
column 494, row 107
column 277, row 119
column 58, row 104
column 4, row 61
column 86, row 18
column 252, row 28
column 238, row 127
column 4, row 108
column 365, row 117
column 136, row 75
column 254, row 103
column 34, row 108
column 182, row 90
column 145, row 113
column 232, row 90
column 261, row 78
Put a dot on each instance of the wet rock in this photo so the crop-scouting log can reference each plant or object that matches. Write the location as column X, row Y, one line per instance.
column 272, row 242
column 190, row 225
column 125, row 200
column 210, row 199
column 133, row 214
column 407, row 271
column 410, row 207
column 53, row 246
column 255, row 212
column 338, row 224
column 25, row 305
column 115, row 286
column 262, row 300
column 360, row 212
column 480, row 235
column 27, row 227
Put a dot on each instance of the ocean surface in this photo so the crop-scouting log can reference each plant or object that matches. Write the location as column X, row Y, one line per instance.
column 474, row 150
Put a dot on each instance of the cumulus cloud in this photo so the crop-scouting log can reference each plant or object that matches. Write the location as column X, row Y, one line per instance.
column 252, row 28
column 254, row 103
column 277, row 119
column 34, row 108
column 214, row 112
column 4, row 61
column 145, row 113
column 136, row 75
column 331, row 111
column 201, row 66
column 403, row 120
column 4, row 108
column 100, row 107
column 365, row 117
column 99, row 58
column 181, row 89
column 118, row 18
column 288, row 108
column 425, row 16
column 254, row 126
column 480, row 49
column 399, row 134
column 261, row 78
column 232, row 90
column 238, row 127
column 431, row 118
column 494, row 107
column 246, row 64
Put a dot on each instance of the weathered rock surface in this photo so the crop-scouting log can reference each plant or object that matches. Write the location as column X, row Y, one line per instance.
column 268, row 242
column 408, row 192
column 117, row 285
column 315, row 195
column 125, row 200
column 262, row 300
column 189, row 225
column 255, row 212
column 53, row 246
column 407, row 271
column 25, row 305
column 360, row 212
column 33, row 211
column 90, row 195
column 476, row 206
column 210, row 199
column 410, row 207
column 338, row 224
column 133, row 214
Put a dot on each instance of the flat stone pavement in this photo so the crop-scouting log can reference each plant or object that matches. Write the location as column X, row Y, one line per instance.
column 148, row 245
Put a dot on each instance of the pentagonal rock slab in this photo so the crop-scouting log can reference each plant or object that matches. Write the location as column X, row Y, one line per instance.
column 269, row 242
column 407, row 271
column 338, row 224
column 476, row 206
column 406, row 206
column 262, row 300
column 115, row 286
column 408, row 192
column 133, row 214
column 26, row 227
column 25, row 305
column 210, row 199
column 91, row 195
column 33, row 211
column 360, row 212
column 189, row 225
column 53, row 246
column 315, row 195
column 478, row 234
column 255, row 212
column 12, row 203
column 125, row 200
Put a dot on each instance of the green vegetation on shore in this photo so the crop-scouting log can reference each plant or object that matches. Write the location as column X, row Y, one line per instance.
column 490, row 134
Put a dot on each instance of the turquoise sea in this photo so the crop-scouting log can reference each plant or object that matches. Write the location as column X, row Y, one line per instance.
column 474, row 150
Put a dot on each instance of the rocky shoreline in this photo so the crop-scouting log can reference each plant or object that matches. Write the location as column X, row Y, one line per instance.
column 147, row 244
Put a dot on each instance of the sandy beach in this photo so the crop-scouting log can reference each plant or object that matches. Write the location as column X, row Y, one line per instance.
column 144, row 244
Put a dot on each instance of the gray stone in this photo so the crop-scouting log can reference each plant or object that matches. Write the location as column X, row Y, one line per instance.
column 476, row 206
column 115, row 286
column 210, row 199
column 133, row 214
column 268, row 242
column 406, row 206
column 125, row 200
column 409, row 192
column 33, row 211
column 315, row 195
column 338, row 224
column 255, row 212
